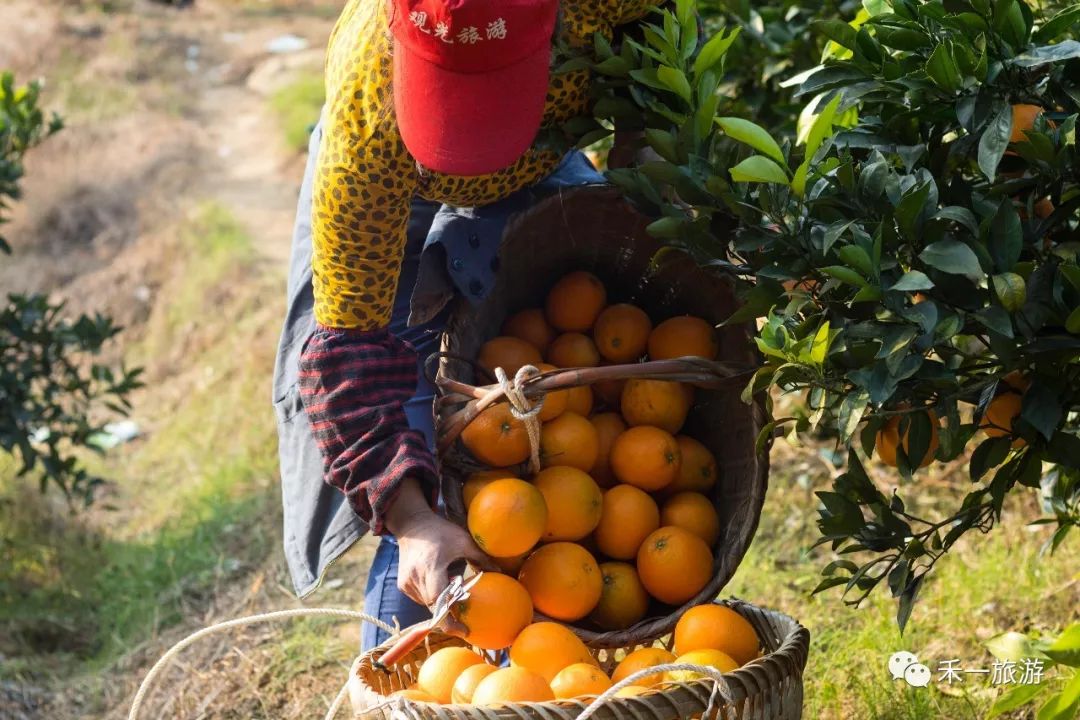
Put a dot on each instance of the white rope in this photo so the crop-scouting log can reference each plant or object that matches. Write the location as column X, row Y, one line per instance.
column 522, row 409
column 709, row 672
column 165, row 659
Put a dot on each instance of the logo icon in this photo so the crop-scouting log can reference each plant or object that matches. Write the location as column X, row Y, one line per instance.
column 917, row 675
column 899, row 662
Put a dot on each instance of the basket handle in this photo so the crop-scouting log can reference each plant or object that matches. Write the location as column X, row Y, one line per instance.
column 697, row 371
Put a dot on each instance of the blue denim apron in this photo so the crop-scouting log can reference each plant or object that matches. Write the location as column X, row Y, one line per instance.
column 449, row 252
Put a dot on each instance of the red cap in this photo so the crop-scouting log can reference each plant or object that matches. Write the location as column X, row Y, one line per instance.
column 470, row 79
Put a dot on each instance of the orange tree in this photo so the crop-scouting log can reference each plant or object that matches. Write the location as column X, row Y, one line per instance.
column 909, row 248
column 53, row 393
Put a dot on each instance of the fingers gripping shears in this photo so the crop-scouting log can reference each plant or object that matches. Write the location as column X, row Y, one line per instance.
column 455, row 592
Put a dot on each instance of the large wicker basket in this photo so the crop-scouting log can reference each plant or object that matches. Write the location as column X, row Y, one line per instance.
column 597, row 230
column 769, row 688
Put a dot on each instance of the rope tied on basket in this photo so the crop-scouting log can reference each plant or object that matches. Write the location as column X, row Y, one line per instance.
column 522, row 409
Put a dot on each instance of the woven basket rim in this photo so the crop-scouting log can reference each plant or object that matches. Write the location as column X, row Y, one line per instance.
column 786, row 663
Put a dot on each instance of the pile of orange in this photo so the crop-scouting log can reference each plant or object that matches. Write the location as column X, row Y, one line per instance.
column 620, row 513
column 548, row 662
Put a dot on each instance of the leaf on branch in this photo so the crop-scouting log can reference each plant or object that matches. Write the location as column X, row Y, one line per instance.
column 753, row 135
column 995, row 140
column 953, row 257
column 758, row 168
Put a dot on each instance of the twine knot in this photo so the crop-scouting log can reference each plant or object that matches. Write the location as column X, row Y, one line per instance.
column 523, row 409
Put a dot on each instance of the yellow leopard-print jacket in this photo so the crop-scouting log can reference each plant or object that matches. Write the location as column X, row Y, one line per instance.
column 365, row 178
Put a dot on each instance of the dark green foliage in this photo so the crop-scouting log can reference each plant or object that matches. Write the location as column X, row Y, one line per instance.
column 903, row 254
column 50, row 386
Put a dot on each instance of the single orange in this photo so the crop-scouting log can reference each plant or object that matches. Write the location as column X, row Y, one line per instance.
column 580, row 400
column 1023, row 119
column 575, row 301
column 573, row 350
column 546, row 648
column 507, row 517
column 646, row 457
column 640, row 659
column 622, row 332
column 465, row 685
column 441, row 670
column 608, row 427
column 694, row 512
column 716, row 659
column 717, row 627
column 579, row 680
column 674, row 565
column 629, row 516
column 554, row 402
column 512, row 685
column 1017, row 380
column 496, row 438
column 697, row 468
column 509, row 353
column 532, row 327
column 683, row 336
column 497, row 609
column 1000, row 414
column 631, row 691
column 573, row 500
column 569, row 439
column 888, row 438
column 660, row 403
column 623, row 601
column 563, row 580
column 477, row 481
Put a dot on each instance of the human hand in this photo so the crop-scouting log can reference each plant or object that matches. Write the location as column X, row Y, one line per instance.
column 432, row 550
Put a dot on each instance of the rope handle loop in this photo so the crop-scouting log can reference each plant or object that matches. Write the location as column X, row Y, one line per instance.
column 523, row 409
column 194, row 637
column 720, row 689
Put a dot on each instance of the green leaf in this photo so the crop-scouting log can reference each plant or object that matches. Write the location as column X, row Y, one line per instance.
column 913, row 280
column 614, row 66
column 675, row 81
column 1015, row 699
column 753, row 135
column 953, row 257
column 1064, row 705
column 1066, row 648
column 819, row 349
column 994, row 141
column 663, row 143
column 911, row 209
column 838, row 31
column 845, row 275
column 1072, row 323
column 1065, row 50
column 1010, row 290
column 1006, row 237
column 758, row 168
column 995, row 318
column 959, row 215
column 851, row 413
column 941, row 67
column 1042, row 409
column 857, row 258
column 822, row 127
column 1012, row 646
column 714, row 50
column 1064, row 20
column 990, row 453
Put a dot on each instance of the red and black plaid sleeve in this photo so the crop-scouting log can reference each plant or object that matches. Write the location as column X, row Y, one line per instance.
column 353, row 385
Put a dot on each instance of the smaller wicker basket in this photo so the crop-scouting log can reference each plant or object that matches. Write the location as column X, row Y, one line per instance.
column 769, row 688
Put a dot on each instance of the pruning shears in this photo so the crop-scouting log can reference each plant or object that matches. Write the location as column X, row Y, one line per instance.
column 455, row 592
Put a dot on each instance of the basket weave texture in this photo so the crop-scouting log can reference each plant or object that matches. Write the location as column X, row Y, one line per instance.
column 595, row 229
column 769, row 688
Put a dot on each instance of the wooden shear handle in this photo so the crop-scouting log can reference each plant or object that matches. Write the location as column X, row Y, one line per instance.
column 403, row 646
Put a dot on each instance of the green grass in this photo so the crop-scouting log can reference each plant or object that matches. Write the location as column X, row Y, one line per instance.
column 194, row 501
column 297, row 106
column 987, row 585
